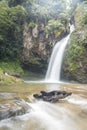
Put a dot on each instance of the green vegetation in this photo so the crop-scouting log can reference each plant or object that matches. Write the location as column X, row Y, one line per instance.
column 11, row 67
column 11, row 20
column 75, row 52
column 6, row 80
column 1, row 71
column 55, row 27
column 78, row 38
column 31, row 25
column 75, row 63
column 11, row 31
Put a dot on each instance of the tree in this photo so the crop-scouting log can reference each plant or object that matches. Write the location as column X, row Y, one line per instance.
column 11, row 25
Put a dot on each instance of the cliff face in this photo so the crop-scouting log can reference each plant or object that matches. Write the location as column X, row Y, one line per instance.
column 38, row 45
column 75, row 60
column 36, row 49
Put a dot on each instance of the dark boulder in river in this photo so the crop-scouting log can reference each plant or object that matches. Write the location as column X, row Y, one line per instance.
column 52, row 96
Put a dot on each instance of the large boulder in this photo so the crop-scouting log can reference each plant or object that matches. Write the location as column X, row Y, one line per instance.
column 13, row 109
column 52, row 96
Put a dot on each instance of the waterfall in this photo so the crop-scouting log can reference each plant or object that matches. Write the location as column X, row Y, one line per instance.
column 54, row 67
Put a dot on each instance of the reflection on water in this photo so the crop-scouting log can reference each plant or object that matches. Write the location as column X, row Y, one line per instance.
column 23, row 112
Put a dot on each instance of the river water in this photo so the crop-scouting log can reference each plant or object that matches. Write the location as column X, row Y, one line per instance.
column 67, row 114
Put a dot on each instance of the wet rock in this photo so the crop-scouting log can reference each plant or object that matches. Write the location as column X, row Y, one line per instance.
column 52, row 96
column 11, row 110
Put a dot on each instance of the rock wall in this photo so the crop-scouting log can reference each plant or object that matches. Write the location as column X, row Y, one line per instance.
column 37, row 46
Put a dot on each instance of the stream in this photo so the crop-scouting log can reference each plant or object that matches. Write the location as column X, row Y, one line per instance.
column 20, row 111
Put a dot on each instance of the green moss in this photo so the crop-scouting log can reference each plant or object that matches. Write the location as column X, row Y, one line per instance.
column 6, row 80
column 74, row 53
column 57, row 33
column 12, row 67
column 54, row 26
column 47, row 35
column 1, row 71
column 32, row 24
column 81, row 16
column 36, row 61
column 75, row 49
column 73, row 67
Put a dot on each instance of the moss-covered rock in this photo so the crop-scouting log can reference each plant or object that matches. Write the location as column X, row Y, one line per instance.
column 7, row 69
column 75, row 62
column 7, row 79
column 11, row 67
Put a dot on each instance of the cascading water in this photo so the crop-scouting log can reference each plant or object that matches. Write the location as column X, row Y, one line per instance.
column 54, row 68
